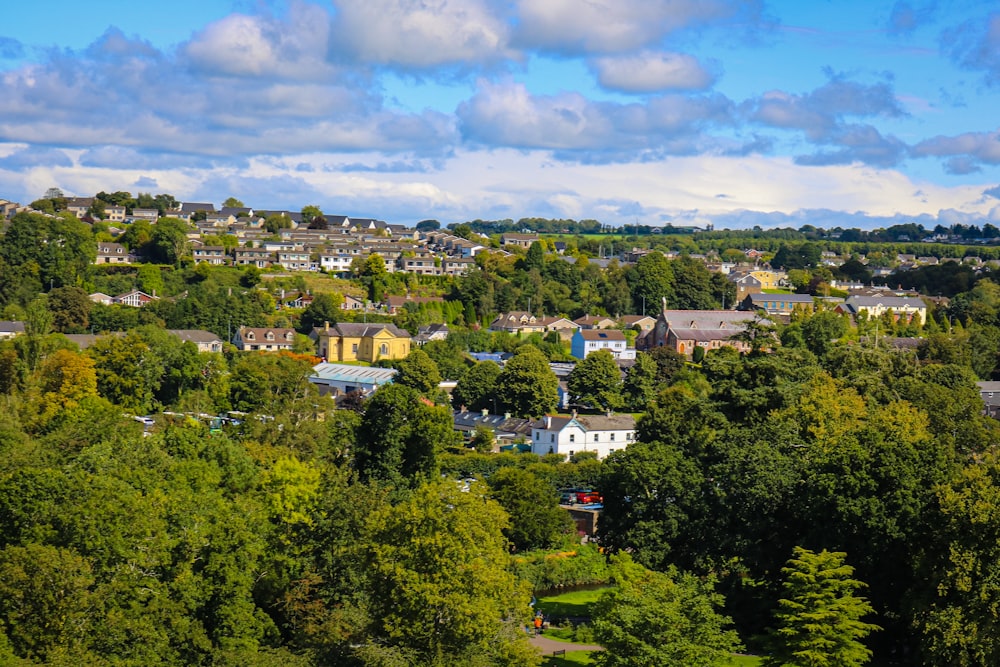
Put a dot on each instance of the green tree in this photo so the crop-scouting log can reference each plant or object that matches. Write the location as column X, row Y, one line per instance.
column 527, row 387
column 449, row 357
column 535, row 259
column 476, row 389
column 441, row 589
column 596, row 381
column 536, row 520
column 232, row 202
column 483, row 439
column 323, row 309
column 168, row 241
column 400, row 437
column 639, row 387
column 652, row 281
column 428, row 226
column 818, row 621
column 310, row 213
column 129, row 372
column 651, row 619
column 418, row 371
column 70, row 308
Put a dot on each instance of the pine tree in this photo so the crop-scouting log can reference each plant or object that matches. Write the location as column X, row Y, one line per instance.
column 819, row 619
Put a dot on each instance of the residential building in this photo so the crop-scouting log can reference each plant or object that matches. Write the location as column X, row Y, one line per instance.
column 587, row 341
column 263, row 339
column 352, row 303
column 78, row 205
column 902, row 308
column 212, row 254
column 506, row 429
column 755, row 282
column 10, row 328
column 113, row 253
column 135, row 298
column 258, row 257
column 115, row 213
column 356, row 341
column 777, row 304
column 430, row 332
column 989, row 391
column 205, row 341
column 582, row 433
column 517, row 321
column 638, row 322
column 148, row 214
column 520, row 240
column 595, row 322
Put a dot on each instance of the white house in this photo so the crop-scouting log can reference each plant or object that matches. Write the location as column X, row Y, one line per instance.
column 582, row 433
column 588, row 341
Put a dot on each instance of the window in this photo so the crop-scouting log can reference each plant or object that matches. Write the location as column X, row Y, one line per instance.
column 354, row 348
column 596, row 437
column 612, row 437
column 572, row 436
column 552, row 437
column 384, row 349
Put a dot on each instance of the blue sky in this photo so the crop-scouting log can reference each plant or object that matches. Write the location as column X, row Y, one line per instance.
column 686, row 111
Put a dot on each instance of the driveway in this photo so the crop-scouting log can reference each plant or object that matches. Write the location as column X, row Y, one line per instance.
column 549, row 646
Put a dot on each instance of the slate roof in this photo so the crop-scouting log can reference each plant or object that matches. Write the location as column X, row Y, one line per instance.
column 361, row 330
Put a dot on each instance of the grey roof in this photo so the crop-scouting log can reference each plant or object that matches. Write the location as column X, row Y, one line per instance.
column 194, row 207
column 11, row 327
column 499, row 423
column 346, row 373
column 360, row 330
column 790, row 298
column 612, row 422
column 195, row 335
column 885, row 302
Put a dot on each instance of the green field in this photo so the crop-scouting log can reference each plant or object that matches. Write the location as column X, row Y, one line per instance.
column 576, row 658
column 576, row 603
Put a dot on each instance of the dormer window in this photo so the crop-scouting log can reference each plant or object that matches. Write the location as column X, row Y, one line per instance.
column 269, row 336
column 249, row 335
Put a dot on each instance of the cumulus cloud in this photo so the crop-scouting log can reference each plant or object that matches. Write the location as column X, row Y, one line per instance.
column 966, row 152
column 36, row 157
column 507, row 114
column 571, row 27
column 992, row 192
column 975, row 45
column 419, row 34
column 651, row 72
column 821, row 116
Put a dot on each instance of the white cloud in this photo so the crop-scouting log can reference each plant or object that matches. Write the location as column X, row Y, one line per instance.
column 417, row 34
column 615, row 26
column 650, row 72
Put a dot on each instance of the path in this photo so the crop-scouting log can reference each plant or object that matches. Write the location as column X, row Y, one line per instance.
column 548, row 646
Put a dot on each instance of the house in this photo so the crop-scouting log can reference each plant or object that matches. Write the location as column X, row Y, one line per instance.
column 352, row 303
column 205, row 341
column 595, row 322
column 909, row 309
column 394, row 304
column 638, row 322
column 777, row 304
column 258, row 257
column 148, row 214
column 188, row 210
column 588, row 341
column 754, row 282
column 356, row 341
column 262, row 339
column 102, row 298
column 519, row 240
column 517, row 321
column 684, row 330
column 565, row 327
column 113, row 253
column 506, row 429
column 989, row 391
column 582, row 433
column 430, row 332
column 212, row 254
column 298, row 259
column 78, row 206
column 115, row 213
column 297, row 300
column 135, row 299
column 9, row 329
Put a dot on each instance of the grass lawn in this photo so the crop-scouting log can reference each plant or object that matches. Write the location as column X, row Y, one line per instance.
column 576, row 603
column 584, row 658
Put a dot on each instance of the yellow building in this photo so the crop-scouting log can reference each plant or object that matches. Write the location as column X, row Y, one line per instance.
column 353, row 341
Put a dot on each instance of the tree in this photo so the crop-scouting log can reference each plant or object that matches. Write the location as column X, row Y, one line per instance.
column 418, row 371
column 476, row 390
column 596, row 382
column 310, row 212
column 527, row 387
column 440, row 586
column 653, row 619
column 652, row 282
column 129, row 372
column 96, row 210
column 483, row 439
column 233, row 202
column 400, row 437
column 818, row 621
column 450, row 359
column 639, row 387
column 70, row 308
column 323, row 309
column 276, row 222
column 428, row 225
column 168, row 241
column 535, row 259
column 536, row 520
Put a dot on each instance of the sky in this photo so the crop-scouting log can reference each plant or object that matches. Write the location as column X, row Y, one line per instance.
column 779, row 114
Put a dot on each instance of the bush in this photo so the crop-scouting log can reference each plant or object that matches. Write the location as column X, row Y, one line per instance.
column 583, row 564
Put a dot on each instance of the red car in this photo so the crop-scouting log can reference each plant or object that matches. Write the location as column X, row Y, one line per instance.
column 589, row 497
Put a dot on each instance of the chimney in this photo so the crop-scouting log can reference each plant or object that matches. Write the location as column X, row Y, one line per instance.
column 574, row 413
column 326, row 327
column 485, row 412
column 506, row 415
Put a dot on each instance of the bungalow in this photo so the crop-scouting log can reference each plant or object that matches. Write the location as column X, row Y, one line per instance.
column 135, row 298
column 582, row 433
column 261, row 339
column 9, row 329
column 638, row 322
column 519, row 240
column 113, row 253
column 205, row 341
column 352, row 303
column 517, row 321
column 595, row 322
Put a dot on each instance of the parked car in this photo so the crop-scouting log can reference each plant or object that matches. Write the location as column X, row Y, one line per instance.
column 589, row 497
